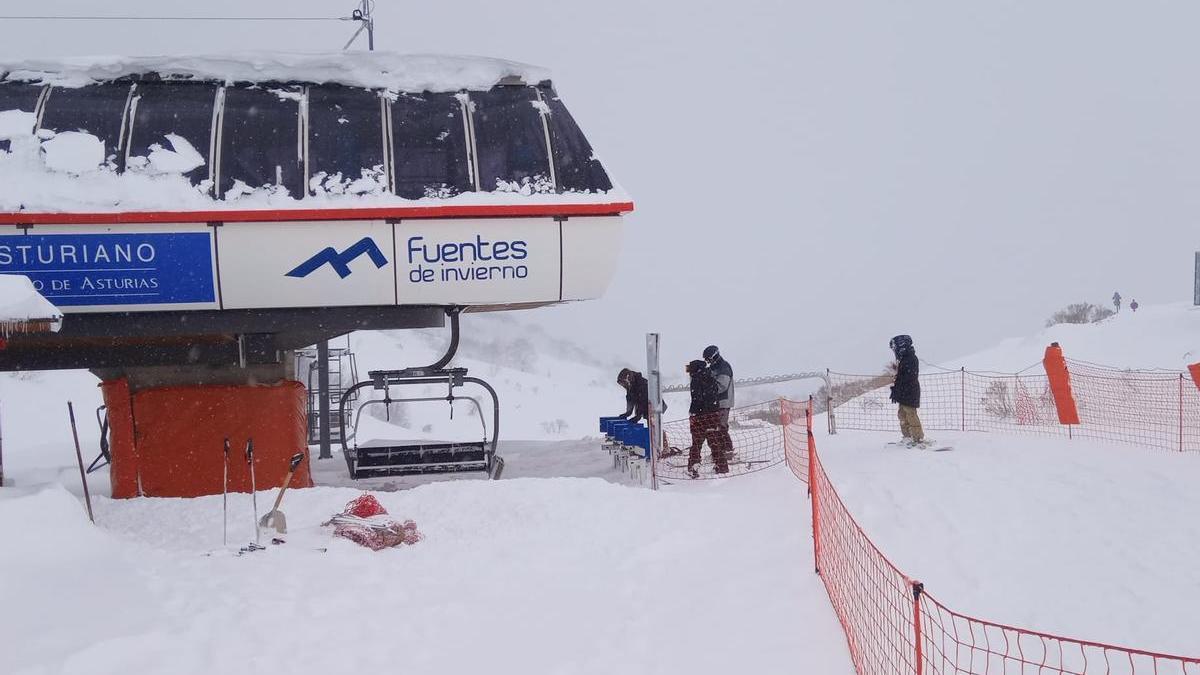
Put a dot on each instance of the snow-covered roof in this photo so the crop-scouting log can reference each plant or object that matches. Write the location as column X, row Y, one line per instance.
column 373, row 70
column 23, row 309
column 218, row 133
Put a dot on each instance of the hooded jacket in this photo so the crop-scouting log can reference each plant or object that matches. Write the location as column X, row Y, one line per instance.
column 703, row 387
column 907, row 388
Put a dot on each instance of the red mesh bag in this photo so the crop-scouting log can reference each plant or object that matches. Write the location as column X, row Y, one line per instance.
column 365, row 507
column 365, row 522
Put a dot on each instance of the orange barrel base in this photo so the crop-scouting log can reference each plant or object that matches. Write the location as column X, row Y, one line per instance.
column 169, row 441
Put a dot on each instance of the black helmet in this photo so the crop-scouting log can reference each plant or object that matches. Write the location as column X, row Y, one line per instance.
column 900, row 343
column 711, row 352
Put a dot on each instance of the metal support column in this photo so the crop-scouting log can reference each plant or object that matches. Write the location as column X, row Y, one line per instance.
column 323, row 399
column 654, row 415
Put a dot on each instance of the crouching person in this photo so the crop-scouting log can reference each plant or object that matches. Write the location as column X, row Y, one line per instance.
column 637, row 396
column 704, row 419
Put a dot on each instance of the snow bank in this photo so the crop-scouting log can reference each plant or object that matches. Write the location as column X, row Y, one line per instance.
column 20, row 303
column 522, row 576
column 374, row 70
column 64, row 581
column 1156, row 336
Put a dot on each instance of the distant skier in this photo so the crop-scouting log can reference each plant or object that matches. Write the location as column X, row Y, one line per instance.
column 637, row 395
column 906, row 390
column 1133, row 306
column 1117, row 300
column 723, row 373
column 703, row 419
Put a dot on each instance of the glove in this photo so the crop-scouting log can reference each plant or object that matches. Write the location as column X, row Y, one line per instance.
column 623, row 416
column 637, row 419
column 892, row 396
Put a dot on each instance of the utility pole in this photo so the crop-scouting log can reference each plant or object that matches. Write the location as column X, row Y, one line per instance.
column 364, row 15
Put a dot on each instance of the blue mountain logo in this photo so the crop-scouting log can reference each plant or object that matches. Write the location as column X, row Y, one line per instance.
column 340, row 262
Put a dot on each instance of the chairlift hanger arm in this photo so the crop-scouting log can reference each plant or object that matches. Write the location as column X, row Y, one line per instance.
column 381, row 379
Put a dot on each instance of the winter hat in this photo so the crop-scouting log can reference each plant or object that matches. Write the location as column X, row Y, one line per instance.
column 711, row 352
column 900, row 343
column 623, row 376
column 695, row 366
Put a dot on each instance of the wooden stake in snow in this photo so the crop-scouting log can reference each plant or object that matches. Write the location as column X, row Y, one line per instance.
column 87, row 496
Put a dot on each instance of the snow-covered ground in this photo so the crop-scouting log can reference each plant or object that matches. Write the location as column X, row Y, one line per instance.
column 566, row 575
column 565, row 567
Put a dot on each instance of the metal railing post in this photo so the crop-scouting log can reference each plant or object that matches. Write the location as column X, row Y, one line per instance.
column 962, row 394
column 654, row 414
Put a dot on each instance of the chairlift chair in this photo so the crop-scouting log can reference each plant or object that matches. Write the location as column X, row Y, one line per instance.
column 405, row 459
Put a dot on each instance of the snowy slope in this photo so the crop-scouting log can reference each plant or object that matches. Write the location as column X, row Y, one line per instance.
column 1156, row 336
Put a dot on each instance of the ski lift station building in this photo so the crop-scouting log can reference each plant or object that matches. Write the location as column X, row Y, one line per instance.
column 197, row 219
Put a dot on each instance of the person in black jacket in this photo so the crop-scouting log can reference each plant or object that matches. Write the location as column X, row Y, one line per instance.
column 906, row 391
column 722, row 372
column 637, row 395
column 703, row 418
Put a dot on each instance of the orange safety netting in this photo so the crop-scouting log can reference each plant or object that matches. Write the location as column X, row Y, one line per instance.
column 755, row 438
column 893, row 625
column 1157, row 409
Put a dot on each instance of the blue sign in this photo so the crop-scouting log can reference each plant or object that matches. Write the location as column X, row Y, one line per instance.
column 114, row 269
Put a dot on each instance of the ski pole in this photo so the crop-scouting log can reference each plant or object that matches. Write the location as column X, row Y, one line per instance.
column 87, row 497
column 253, row 487
column 225, row 499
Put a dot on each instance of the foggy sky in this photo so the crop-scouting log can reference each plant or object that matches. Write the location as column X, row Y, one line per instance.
column 812, row 178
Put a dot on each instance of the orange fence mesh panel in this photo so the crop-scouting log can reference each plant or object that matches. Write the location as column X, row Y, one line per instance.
column 755, row 435
column 951, row 401
column 893, row 625
column 873, row 600
column 1156, row 409
column 793, row 420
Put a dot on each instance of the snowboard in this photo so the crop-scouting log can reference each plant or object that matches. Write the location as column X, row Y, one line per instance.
column 927, row 445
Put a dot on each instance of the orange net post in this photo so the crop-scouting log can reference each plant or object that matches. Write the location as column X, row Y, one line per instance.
column 1060, row 384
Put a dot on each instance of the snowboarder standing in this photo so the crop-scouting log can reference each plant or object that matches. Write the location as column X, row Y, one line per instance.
column 1117, row 300
column 722, row 372
column 906, row 391
column 703, row 419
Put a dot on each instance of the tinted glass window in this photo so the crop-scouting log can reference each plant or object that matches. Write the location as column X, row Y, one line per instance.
column 345, row 136
column 260, row 139
column 574, row 166
column 18, row 96
column 429, row 146
column 95, row 109
column 511, row 140
column 172, row 126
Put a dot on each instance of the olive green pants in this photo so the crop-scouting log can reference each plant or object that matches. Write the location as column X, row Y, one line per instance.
column 910, row 423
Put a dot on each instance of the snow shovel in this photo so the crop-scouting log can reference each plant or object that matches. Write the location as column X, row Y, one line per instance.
column 275, row 520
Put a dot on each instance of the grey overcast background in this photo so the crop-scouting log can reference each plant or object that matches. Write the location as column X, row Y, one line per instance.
column 813, row 177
